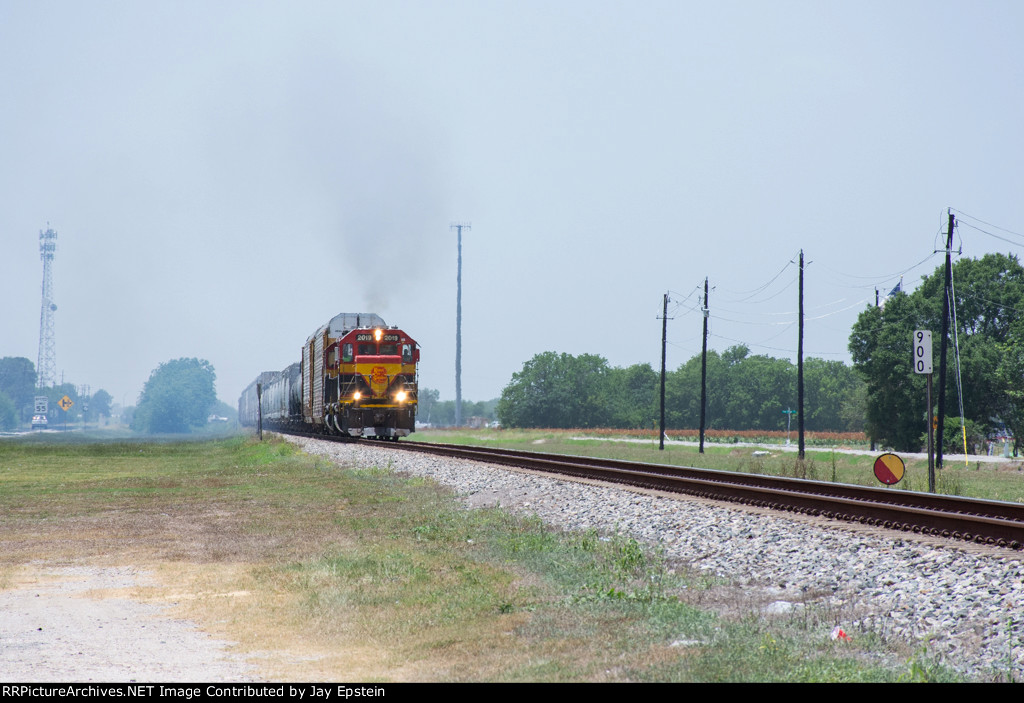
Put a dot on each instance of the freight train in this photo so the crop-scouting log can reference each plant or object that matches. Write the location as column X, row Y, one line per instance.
column 356, row 377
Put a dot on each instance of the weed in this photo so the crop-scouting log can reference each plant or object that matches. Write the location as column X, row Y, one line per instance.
column 803, row 468
column 628, row 558
column 907, row 482
column 923, row 668
column 948, row 482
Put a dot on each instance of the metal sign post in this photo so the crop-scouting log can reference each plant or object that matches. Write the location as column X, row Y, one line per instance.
column 789, row 418
column 65, row 404
column 923, row 365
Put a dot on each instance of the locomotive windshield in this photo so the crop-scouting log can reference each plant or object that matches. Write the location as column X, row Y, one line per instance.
column 365, row 349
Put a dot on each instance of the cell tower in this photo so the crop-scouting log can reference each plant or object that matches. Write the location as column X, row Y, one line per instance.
column 47, row 365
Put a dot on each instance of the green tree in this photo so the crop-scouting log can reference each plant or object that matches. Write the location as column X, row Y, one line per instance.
column 760, row 388
column 426, row 401
column 682, row 391
column 99, row 404
column 747, row 392
column 633, row 395
column 989, row 293
column 177, row 397
column 880, row 346
column 1010, row 377
column 557, row 390
column 853, row 408
column 830, row 389
column 441, row 413
column 18, row 382
column 8, row 415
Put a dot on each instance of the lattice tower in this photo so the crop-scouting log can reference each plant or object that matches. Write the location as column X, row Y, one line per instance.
column 47, row 364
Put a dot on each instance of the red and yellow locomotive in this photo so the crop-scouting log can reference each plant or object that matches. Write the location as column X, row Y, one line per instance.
column 357, row 377
column 361, row 377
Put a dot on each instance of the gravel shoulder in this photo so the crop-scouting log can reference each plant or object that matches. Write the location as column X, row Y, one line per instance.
column 82, row 624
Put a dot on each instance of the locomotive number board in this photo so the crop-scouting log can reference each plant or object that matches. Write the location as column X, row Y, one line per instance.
column 369, row 338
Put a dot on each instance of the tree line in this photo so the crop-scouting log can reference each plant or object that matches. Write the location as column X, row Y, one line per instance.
column 431, row 410
column 178, row 397
column 744, row 392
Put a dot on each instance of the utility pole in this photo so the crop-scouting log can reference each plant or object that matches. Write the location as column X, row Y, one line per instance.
column 704, row 370
column 943, row 341
column 458, row 328
column 664, row 333
column 259, row 408
column 83, row 397
column 800, row 366
column 47, row 361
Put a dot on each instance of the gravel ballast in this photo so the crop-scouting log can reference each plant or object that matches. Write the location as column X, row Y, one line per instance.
column 965, row 603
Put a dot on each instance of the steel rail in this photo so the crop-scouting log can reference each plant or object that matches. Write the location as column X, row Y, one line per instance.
column 984, row 521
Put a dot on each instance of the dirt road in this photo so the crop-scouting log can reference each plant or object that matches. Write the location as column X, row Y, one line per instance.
column 87, row 624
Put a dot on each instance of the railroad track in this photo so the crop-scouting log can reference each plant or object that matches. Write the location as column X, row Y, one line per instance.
column 982, row 521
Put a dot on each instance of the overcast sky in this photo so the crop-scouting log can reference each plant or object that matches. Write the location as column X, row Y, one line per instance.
column 224, row 177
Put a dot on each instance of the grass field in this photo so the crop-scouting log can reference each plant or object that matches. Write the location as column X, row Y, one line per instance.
column 977, row 479
column 360, row 574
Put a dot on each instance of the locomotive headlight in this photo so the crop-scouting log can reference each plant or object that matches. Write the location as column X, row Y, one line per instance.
column 357, row 395
column 400, row 396
column 377, row 334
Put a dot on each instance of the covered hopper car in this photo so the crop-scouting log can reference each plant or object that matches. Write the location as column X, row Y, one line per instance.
column 356, row 377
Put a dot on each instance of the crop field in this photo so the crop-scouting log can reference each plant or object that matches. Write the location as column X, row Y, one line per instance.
column 321, row 572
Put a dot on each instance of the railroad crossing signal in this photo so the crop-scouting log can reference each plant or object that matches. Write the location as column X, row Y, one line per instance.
column 65, row 403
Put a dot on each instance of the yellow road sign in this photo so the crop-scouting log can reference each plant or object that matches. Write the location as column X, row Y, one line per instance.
column 66, row 403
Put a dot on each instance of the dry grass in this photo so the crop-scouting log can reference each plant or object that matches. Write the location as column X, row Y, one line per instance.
column 318, row 573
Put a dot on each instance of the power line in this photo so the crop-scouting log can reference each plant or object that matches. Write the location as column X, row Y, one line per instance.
column 880, row 279
column 988, row 224
column 781, row 349
column 991, row 234
column 760, row 288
